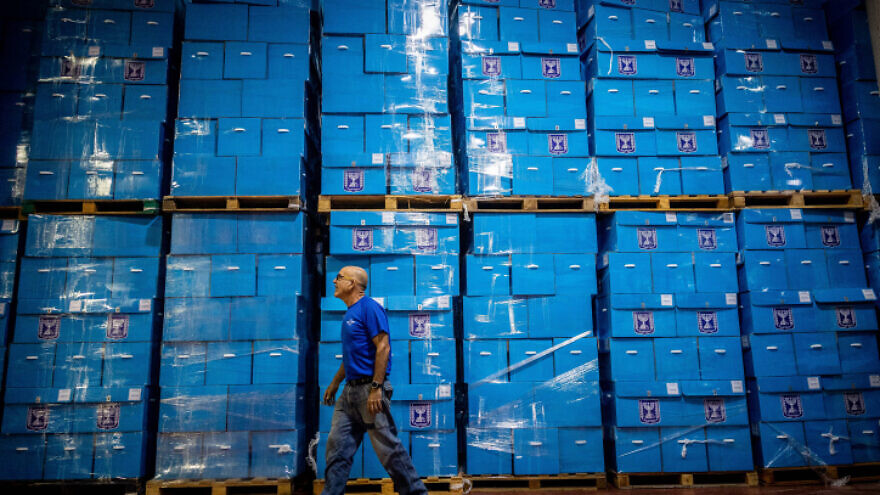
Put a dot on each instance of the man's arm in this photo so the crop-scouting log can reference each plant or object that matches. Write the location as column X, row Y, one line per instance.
column 330, row 393
column 381, row 364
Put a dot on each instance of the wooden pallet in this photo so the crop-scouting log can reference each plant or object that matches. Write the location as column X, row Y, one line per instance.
column 393, row 203
column 812, row 475
column 684, row 480
column 436, row 485
column 570, row 483
column 798, row 199
column 92, row 487
column 208, row 204
column 221, row 487
column 91, row 207
column 695, row 202
column 507, row 204
column 11, row 213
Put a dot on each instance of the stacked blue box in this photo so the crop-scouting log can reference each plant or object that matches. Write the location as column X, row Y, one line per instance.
column 81, row 368
column 520, row 106
column 810, row 334
column 234, row 347
column 650, row 96
column 101, row 103
column 779, row 118
column 848, row 28
column 385, row 125
column 9, row 240
column 412, row 262
column 672, row 370
column 247, row 101
column 529, row 351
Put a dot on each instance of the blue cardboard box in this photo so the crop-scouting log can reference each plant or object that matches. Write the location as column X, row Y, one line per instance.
column 638, row 315
column 634, row 231
column 771, row 311
column 779, row 399
column 771, row 229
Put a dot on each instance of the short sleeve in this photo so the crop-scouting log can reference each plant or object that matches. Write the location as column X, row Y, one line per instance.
column 375, row 320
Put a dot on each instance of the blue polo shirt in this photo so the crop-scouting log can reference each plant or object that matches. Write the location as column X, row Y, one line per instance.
column 363, row 321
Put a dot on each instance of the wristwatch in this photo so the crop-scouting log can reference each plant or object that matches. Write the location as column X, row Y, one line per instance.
column 375, row 385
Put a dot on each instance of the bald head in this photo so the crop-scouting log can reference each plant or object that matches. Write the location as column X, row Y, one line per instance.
column 358, row 274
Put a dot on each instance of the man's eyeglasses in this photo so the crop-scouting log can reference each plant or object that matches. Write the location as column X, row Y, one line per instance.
column 340, row 277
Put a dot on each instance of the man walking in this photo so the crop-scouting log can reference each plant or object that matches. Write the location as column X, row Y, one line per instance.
column 365, row 403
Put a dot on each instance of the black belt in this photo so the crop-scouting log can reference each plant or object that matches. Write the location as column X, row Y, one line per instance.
column 361, row 381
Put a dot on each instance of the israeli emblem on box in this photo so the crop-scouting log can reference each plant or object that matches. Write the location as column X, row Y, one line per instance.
column 792, row 407
column 649, row 411
column 687, row 142
column 818, row 140
column 783, row 319
column 492, row 66
column 69, row 68
column 420, row 414
column 551, row 67
column 830, row 236
column 628, row 2
column 754, row 62
column 707, row 239
column 547, row 4
column 496, row 142
column 684, row 66
column 353, row 180
column 675, row 6
column 643, row 322
column 135, row 70
column 107, row 416
column 117, row 326
column 145, row 4
column 37, row 418
column 627, row 65
column 775, row 235
column 715, row 410
column 846, row 317
column 557, row 144
column 760, row 139
column 855, row 403
column 426, row 239
column 626, row 142
column 809, row 64
column 49, row 327
column 422, row 179
column 647, row 237
column 362, row 239
column 707, row 322
column 419, row 325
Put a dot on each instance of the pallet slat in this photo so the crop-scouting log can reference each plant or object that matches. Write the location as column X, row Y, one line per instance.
column 203, row 204
column 92, row 207
column 571, row 483
column 436, row 485
column 441, row 203
column 699, row 202
column 851, row 199
column 218, row 487
column 529, row 204
column 812, row 475
column 684, row 480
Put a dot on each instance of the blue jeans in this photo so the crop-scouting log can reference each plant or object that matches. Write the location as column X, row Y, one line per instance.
column 351, row 418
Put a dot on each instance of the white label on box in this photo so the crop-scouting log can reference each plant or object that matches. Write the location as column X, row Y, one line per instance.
column 451, row 219
column 443, row 302
column 666, row 299
column 727, row 217
column 94, row 51
column 708, row 46
column 75, row 306
column 779, row 118
column 828, row 45
column 796, row 214
column 8, row 226
column 605, row 259
column 708, row 121
column 444, row 391
column 580, row 123
column 804, row 296
column 730, row 299
column 671, row 217
column 63, row 395
column 650, row 45
column 836, row 120
column 771, row 44
column 745, row 342
column 572, row 47
column 513, row 46
column 813, row 383
column 672, row 388
column 145, row 305
column 849, row 217
column 869, row 295
column 736, row 386
column 378, row 158
column 712, row 10
column 648, row 122
column 134, row 394
column 158, row 51
column 380, row 300
column 874, row 380
column 387, row 218
column 2, row 309
column 519, row 122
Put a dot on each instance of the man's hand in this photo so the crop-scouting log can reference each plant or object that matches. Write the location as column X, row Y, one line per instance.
column 330, row 395
column 374, row 403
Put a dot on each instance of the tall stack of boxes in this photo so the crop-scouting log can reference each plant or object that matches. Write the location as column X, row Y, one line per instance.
column 101, row 103
column 779, row 118
column 520, row 104
column 385, row 124
column 81, row 361
column 848, row 28
column 247, row 101
column 233, row 361
column 809, row 325
column 651, row 97
column 529, row 349
column 413, row 266
column 9, row 240
column 674, row 394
